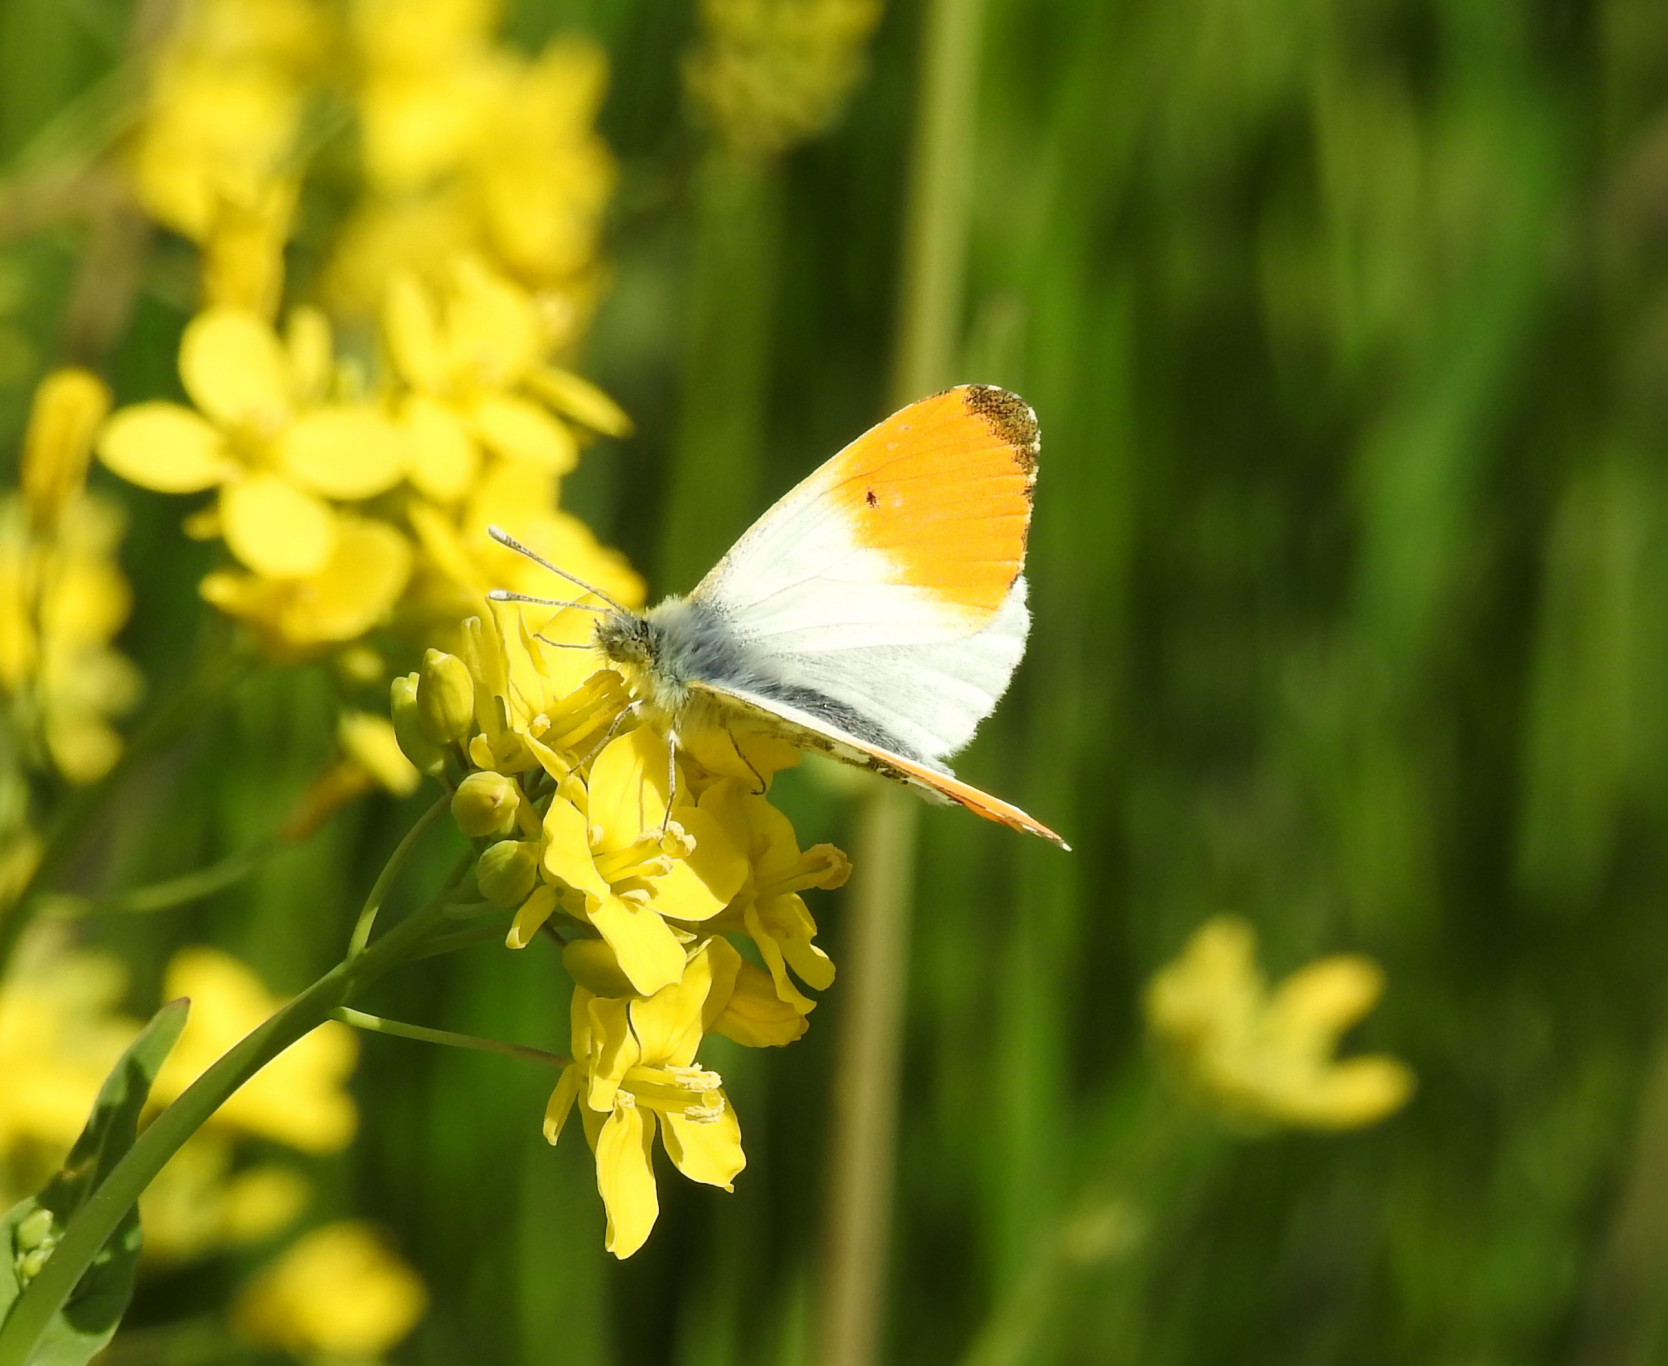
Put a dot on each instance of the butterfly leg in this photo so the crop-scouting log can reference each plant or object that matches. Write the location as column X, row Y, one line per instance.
column 671, row 779
column 610, row 733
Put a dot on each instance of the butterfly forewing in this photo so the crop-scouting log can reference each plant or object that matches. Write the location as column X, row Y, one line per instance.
column 890, row 578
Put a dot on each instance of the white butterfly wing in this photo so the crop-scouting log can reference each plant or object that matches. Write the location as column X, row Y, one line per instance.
column 889, row 581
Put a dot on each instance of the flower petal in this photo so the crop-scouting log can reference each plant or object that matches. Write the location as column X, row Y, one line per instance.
column 442, row 456
column 669, row 1024
column 567, row 850
column 628, row 788
column 612, row 1049
column 649, row 952
column 625, row 1176
column 561, row 1102
column 411, row 325
column 343, row 452
column 706, row 1150
column 579, row 399
column 165, row 447
column 700, row 886
column 518, row 430
column 235, row 369
column 275, row 528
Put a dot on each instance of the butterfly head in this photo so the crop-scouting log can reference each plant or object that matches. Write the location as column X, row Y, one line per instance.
column 628, row 639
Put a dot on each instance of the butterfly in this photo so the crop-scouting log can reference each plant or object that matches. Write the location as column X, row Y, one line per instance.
column 874, row 614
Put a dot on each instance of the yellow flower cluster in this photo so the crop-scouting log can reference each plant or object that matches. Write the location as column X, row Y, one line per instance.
column 769, row 74
column 1264, row 1059
column 343, row 504
column 62, row 601
column 223, row 109
column 350, row 489
column 469, row 148
column 61, row 1032
column 644, row 874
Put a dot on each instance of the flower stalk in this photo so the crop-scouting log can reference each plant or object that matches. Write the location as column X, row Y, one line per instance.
column 860, row 1185
column 93, row 1224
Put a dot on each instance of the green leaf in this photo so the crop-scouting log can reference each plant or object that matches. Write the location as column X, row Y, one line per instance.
column 32, row 1227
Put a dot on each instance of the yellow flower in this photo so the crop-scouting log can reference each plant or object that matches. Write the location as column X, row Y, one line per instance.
column 634, row 1064
column 535, row 708
column 199, row 1203
column 770, row 910
column 224, row 105
column 611, row 842
column 460, row 563
column 1262, row 1058
column 68, row 408
column 59, row 1037
column 471, row 148
column 469, row 359
column 339, row 1292
column 429, row 73
column 62, row 598
column 298, row 1099
column 773, row 73
column 355, row 589
column 243, row 247
column 265, row 435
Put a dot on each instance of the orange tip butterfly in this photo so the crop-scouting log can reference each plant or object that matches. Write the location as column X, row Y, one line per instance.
column 874, row 614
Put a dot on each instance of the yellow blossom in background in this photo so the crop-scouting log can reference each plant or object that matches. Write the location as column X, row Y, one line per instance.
column 60, row 1034
column 356, row 589
column 769, row 74
column 1265, row 1058
column 243, row 248
column 339, row 1292
column 266, row 434
column 470, row 148
column 202, row 1202
column 226, row 93
column 300, row 1099
column 62, row 597
column 634, row 1072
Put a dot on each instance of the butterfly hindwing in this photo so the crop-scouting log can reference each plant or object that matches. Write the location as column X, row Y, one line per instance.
column 810, row 732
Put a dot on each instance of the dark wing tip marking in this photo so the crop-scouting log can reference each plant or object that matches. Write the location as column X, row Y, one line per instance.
column 1011, row 418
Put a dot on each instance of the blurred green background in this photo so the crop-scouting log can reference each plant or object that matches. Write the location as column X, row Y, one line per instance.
column 1348, row 333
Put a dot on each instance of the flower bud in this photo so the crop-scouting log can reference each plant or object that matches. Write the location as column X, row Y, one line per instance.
column 445, row 698
column 427, row 756
column 69, row 405
column 35, row 1230
column 507, row 871
column 485, row 804
column 592, row 965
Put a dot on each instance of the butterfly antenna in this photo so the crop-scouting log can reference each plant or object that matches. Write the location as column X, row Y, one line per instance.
column 505, row 539
column 505, row 595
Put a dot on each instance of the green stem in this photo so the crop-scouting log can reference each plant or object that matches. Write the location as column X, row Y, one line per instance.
column 719, row 444
column 391, row 870
column 93, row 1224
column 376, row 1024
column 883, row 853
column 462, row 939
column 218, row 668
column 161, row 896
